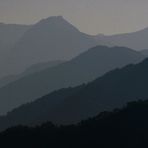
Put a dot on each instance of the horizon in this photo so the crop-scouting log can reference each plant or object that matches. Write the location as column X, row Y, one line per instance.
column 140, row 29
column 106, row 17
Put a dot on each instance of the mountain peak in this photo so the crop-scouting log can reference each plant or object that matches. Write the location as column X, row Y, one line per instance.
column 55, row 18
column 57, row 21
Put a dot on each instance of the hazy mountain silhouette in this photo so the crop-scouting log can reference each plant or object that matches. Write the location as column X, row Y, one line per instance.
column 144, row 52
column 50, row 39
column 9, row 36
column 33, row 69
column 74, row 104
column 84, row 68
column 124, row 128
column 135, row 40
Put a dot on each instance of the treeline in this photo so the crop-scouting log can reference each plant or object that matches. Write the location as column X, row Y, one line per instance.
column 121, row 128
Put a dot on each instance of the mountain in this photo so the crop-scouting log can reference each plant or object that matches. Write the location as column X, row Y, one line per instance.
column 9, row 36
column 135, row 40
column 33, row 69
column 50, row 39
column 84, row 68
column 71, row 105
column 144, row 52
column 124, row 128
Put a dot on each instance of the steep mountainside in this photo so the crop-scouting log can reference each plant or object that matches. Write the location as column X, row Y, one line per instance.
column 84, row 68
column 50, row 39
column 71, row 105
column 33, row 69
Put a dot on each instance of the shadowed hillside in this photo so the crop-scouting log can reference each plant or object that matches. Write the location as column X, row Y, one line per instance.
column 74, row 104
column 33, row 69
column 144, row 52
column 124, row 128
column 84, row 68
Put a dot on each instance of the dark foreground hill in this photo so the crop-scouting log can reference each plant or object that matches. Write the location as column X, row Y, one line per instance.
column 72, row 105
column 121, row 128
column 84, row 68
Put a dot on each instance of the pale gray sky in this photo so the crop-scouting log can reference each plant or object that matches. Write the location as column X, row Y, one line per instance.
column 90, row 16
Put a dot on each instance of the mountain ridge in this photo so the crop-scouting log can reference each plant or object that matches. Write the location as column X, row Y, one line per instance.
column 124, row 127
column 135, row 40
column 73, row 104
column 50, row 39
column 84, row 68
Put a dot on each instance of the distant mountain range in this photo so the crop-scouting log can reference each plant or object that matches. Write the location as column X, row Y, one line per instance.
column 135, row 40
column 53, row 39
column 31, row 70
column 84, row 68
column 50, row 71
column 48, row 40
column 10, row 34
column 71, row 105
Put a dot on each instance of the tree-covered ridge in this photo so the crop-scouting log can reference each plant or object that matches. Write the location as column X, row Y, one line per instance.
column 124, row 128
